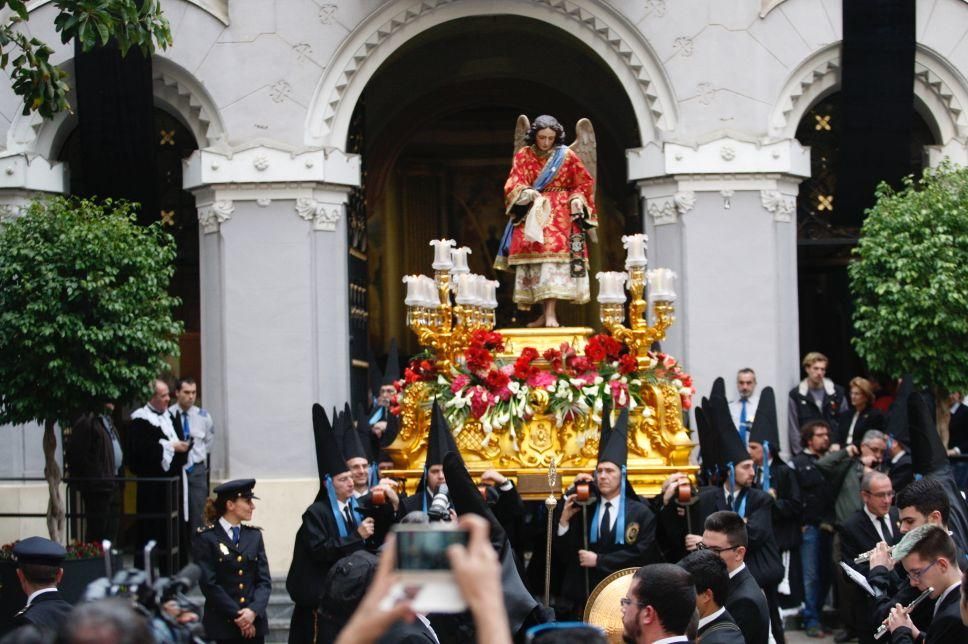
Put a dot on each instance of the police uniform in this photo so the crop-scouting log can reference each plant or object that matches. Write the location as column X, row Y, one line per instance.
column 46, row 610
column 235, row 574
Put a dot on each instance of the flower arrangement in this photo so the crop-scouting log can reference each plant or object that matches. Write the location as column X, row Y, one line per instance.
column 502, row 393
column 75, row 550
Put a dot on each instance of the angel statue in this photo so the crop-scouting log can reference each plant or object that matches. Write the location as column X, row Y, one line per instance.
column 550, row 199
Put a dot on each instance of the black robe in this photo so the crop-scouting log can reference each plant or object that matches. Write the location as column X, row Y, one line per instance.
column 639, row 549
column 233, row 577
column 722, row 630
column 901, row 472
column 317, row 547
column 47, row 613
column 144, row 459
column 747, row 605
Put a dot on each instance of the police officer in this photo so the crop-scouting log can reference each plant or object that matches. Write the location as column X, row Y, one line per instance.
column 235, row 573
column 39, row 571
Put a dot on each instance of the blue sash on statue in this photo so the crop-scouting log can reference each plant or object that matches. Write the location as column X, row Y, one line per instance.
column 547, row 174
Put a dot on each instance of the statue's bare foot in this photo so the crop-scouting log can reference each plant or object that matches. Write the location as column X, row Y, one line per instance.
column 551, row 322
column 537, row 323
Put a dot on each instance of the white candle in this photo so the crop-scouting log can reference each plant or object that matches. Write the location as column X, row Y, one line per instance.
column 464, row 286
column 413, row 290
column 492, row 294
column 479, row 290
column 635, row 244
column 442, row 247
column 662, row 285
column 459, row 257
column 611, row 287
column 428, row 292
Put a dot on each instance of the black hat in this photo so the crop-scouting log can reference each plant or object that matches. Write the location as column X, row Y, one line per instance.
column 392, row 371
column 239, row 488
column 897, row 415
column 731, row 447
column 616, row 448
column 764, row 423
column 709, row 451
column 350, row 441
column 39, row 551
column 440, row 440
column 928, row 454
column 719, row 388
column 367, row 439
column 328, row 455
column 347, row 581
column 606, row 427
column 466, row 497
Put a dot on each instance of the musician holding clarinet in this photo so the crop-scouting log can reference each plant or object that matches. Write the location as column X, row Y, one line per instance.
column 931, row 562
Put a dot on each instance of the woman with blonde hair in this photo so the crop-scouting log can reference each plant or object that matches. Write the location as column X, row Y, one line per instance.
column 859, row 416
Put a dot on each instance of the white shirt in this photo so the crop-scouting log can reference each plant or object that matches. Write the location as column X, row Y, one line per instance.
column 674, row 638
column 897, row 457
column 877, row 524
column 342, row 508
column 943, row 595
column 228, row 527
column 708, row 618
column 736, row 408
column 200, row 427
column 741, row 568
column 612, row 516
column 34, row 594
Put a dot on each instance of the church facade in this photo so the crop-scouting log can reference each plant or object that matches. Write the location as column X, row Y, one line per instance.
column 318, row 130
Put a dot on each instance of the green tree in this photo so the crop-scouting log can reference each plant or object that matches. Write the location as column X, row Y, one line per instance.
column 85, row 316
column 128, row 23
column 909, row 278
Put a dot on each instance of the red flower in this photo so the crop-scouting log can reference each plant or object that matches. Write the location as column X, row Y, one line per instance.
column 529, row 354
column 594, row 351
column 496, row 380
column 582, row 364
column 627, row 364
column 478, row 360
column 551, row 355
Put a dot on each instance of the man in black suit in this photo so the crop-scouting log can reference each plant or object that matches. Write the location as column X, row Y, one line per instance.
column 440, row 441
column 931, row 564
column 659, row 605
column 711, row 578
column 621, row 531
column 958, row 437
column 94, row 456
column 725, row 534
column 876, row 521
column 39, row 572
column 331, row 529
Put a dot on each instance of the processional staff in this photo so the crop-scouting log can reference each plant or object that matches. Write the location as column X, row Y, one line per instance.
column 550, row 504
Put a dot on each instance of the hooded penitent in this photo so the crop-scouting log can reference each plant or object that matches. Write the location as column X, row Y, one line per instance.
column 392, row 371
column 897, row 416
column 766, row 432
column 613, row 448
column 369, row 443
column 440, row 440
column 731, row 448
column 331, row 463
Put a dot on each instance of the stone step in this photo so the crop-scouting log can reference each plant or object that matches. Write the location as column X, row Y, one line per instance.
column 279, row 610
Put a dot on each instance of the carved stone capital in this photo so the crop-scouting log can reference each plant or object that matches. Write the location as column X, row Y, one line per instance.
column 782, row 207
column 212, row 216
column 324, row 216
column 667, row 210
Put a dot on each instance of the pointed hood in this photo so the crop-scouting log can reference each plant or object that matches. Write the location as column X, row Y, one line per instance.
column 329, row 460
column 466, row 497
column 708, row 441
column 615, row 448
column 367, row 439
column 605, row 430
column 731, row 447
column 897, row 415
column 719, row 388
column 440, row 440
column 928, row 454
column 390, row 433
column 350, row 438
column 765, row 428
column 392, row 371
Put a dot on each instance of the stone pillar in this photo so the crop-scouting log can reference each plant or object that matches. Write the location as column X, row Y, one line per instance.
column 723, row 216
column 275, row 317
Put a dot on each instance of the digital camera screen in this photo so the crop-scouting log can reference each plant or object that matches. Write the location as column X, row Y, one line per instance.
column 426, row 549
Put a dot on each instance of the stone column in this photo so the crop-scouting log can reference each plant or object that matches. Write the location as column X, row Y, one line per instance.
column 723, row 216
column 275, row 317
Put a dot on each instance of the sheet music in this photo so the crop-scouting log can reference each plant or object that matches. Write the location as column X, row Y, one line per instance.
column 858, row 579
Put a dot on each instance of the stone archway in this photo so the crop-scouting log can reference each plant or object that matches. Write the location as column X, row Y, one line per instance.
column 619, row 45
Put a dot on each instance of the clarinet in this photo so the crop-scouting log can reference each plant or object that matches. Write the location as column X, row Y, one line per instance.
column 907, row 609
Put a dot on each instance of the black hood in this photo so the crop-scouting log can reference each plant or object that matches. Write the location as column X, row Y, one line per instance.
column 765, row 426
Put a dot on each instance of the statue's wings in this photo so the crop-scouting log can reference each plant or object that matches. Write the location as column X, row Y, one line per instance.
column 585, row 145
column 520, row 131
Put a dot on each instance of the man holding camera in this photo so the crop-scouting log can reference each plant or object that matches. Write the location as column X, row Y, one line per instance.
column 621, row 532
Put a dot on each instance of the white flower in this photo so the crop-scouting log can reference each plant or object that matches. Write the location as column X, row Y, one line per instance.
column 615, row 376
column 442, row 381
column 514, row 387
column 677, row 383
column 599, row 380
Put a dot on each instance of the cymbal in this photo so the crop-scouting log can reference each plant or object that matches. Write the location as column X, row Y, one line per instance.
column 603, row 608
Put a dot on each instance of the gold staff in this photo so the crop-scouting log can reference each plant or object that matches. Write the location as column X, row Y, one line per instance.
column 550, row 504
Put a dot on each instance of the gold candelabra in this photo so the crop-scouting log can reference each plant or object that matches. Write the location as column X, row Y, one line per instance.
column 441, row 325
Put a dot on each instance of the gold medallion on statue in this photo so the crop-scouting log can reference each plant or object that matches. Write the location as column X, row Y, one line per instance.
column 632, row 533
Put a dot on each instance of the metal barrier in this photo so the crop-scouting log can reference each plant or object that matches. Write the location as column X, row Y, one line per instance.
column 169, row 541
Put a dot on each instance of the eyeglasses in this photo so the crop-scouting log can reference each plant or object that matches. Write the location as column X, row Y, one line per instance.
column 626, row 602
column 917, row 572
column 881, row 495
column 716, row 549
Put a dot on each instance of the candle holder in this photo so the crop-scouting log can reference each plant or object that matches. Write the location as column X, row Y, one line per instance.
column 639, row 335
column 446, row 327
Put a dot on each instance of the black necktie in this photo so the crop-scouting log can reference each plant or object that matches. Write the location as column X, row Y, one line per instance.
column 350, row 523
column 885, row 531
column 729, row 500
column 605, row 528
